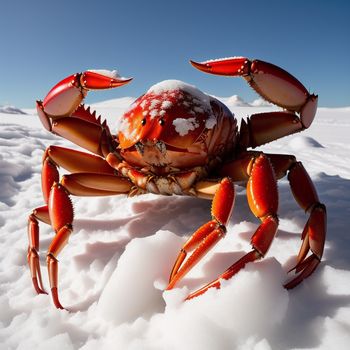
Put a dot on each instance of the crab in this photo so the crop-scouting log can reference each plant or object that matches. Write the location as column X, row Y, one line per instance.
column 177, row 140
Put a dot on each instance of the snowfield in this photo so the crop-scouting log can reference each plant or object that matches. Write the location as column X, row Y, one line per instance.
column 113, row 272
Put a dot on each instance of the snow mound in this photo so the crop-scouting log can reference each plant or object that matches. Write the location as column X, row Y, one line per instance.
column 114, row 270
column 260, row 102
column 10, row 174
column 122, row 102
column 242, row 295
column 233, row 313
column 137, row 270
column 236, row 100
column 301, row 142
column 11, row 110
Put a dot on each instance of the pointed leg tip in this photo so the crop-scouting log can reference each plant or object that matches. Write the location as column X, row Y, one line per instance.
column 170, row 285
column 38, row 289
column 54, row 294
column 305, row 269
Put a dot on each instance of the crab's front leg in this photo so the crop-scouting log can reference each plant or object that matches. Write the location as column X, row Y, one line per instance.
column 275, row 85
column 263, row 200
column 208, row 234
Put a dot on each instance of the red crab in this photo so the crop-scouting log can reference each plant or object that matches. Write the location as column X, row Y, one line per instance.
column 177, row 140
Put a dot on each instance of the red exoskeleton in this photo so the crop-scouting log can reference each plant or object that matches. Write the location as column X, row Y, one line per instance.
column 177, row 140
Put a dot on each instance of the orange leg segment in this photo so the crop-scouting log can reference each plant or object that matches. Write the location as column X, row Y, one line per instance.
column 263, row 201
column 61, row 215
column 33, row 254
column 208, row 234
column 314, row 233
column 92, row 176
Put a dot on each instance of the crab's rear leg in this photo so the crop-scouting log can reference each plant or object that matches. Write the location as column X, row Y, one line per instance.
column 314, row 233
column 61, row 211
column 306, row 196
column 96, row 178
column 271, row 82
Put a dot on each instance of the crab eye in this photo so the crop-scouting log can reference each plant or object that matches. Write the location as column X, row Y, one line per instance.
column 143, row 121
column 161, row 122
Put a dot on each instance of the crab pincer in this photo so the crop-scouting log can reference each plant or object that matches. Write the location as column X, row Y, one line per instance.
column 66, row 96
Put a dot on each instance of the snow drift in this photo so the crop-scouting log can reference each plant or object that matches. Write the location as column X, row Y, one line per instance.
column 115, row 268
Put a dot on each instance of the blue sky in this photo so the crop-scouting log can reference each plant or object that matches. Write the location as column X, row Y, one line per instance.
column 44, row 41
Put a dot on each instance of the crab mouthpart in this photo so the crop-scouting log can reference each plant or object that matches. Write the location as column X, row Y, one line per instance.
column 140, row 148
column 158, row 145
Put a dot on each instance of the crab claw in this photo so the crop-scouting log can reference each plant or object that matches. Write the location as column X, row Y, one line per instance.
column 65, row 97
column 102, row 79
column 234, row 66
column 271, row 82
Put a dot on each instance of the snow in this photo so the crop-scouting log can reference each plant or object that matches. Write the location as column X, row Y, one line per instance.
column 11, row 110
column 166, row 104
column 114, row 270
column 183, row 125
column 199, row 98
column 222, row 59
column 108, row 73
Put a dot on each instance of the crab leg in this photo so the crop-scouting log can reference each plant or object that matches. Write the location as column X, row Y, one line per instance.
column 208, row 234
column 33, row 254
column 76, row 161
column 271, row 82
column 305, row 194
column 92, row 177
column 61, row 214
column 263, row 201
column 314, row 233
column 261, row 128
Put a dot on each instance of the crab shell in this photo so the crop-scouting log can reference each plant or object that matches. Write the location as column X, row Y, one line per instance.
column 175, row 124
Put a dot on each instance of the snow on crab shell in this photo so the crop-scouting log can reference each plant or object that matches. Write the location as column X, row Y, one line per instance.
column 107, row 73
column 222, row 59
column 195, row 101
column 201, row 99
column 183, row 126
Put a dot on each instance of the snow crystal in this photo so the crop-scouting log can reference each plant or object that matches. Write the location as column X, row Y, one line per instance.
column 183, row 126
